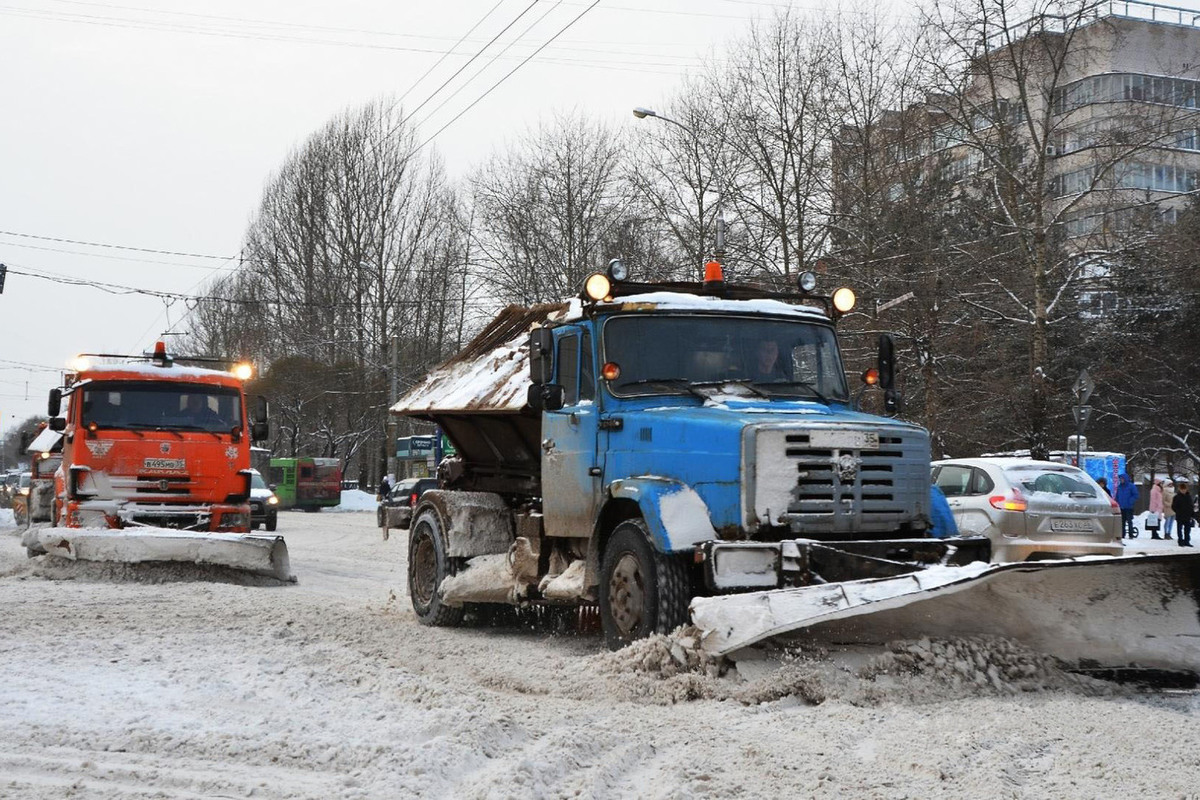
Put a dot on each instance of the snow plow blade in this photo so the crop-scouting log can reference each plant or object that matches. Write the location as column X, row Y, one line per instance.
column 1139, row 611
column 260, row 555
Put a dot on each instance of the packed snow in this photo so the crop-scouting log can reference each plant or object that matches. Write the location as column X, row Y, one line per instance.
column 128, row 683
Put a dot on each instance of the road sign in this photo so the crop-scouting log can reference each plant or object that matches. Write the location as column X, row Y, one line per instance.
column 1083, row 387
column 1082, row 415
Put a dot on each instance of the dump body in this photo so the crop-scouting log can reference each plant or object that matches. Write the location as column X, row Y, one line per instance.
column 166, row 446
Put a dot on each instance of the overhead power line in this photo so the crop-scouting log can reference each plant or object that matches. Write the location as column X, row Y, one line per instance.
column 509, row 74
column 61, row 240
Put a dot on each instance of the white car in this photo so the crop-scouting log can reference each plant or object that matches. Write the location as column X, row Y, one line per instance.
column 1031, row 510
column 264, row 505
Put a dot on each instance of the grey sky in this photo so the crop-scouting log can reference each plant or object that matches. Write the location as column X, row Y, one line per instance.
column 156, row 124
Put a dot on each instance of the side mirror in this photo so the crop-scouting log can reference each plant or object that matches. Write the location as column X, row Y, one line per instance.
column 58, row 424
column 261, row 409
column 887, row 373
column 260, row 430
column 55, row 404
column 547, row 397
column 541, row 347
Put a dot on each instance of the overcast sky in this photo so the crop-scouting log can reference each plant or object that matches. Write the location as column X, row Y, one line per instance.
column 155, row 123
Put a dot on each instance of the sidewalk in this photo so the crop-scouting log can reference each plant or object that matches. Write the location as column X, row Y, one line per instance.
column 1144, row 544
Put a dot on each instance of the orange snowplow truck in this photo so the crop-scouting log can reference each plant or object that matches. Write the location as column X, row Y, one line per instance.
column 154, row 444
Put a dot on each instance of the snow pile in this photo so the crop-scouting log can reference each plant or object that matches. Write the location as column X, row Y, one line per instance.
column 669, row 669
column 973, row 666
column 6, row 518
column 356, row 500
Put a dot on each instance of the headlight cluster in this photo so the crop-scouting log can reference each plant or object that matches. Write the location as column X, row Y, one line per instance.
column 272, row 500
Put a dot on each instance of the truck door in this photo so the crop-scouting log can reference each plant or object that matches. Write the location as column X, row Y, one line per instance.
column 571, row 464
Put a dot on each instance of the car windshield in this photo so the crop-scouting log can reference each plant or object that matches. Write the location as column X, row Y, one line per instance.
column 672, row 354
column 166, row 406
column 257, row 482
column 1052, row 481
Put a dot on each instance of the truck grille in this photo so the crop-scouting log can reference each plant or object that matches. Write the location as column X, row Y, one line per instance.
column 819, row 489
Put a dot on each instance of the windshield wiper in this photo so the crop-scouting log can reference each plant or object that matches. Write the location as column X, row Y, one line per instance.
column 801, row 385
column 199, row 428
column 670, row 383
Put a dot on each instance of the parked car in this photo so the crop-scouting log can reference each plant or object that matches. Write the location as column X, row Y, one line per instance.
column 264, row 505
column 1031, row 510
column 403, row 496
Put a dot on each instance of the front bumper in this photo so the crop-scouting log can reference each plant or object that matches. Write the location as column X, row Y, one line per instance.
column 234, row 518
column 745, row 566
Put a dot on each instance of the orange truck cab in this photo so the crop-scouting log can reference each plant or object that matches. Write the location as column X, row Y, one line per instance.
column 155, row 444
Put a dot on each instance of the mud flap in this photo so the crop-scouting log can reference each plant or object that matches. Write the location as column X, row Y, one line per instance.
column 1136, row 611
column 261, row 555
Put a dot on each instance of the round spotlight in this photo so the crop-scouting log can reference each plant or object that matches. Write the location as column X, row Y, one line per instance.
column 807, row 281
column 242, row 371
column 610, row 371
column 617, row 270
column 844, row 299
column 870, row 377
column 597, row 287
column 80, row 364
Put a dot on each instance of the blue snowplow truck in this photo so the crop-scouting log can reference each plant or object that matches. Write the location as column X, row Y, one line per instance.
column 678, row 451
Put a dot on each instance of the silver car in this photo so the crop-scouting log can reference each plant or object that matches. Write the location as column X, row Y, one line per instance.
column 1030, row 509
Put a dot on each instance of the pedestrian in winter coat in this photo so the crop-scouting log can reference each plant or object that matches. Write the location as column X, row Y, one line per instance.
column 385, row 488
column 1104, row 485
column 1168, row 512
column 1184, row 513
column 1156, row 508
column 1126, row 497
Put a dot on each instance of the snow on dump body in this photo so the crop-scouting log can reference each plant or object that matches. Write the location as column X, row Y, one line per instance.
column 491, row 373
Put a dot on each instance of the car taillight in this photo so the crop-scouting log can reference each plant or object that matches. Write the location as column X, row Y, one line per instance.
column 412, row 501
column 1014, row 501
column 1112, row 502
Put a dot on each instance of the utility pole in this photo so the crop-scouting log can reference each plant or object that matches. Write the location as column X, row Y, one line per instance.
column 1082, row 389
column 393, row 396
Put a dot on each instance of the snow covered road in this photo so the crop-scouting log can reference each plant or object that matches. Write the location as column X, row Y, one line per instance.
column 329, row 689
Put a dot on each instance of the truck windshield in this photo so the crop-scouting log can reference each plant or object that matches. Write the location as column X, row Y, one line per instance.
column 670, row 354
column 164, row 406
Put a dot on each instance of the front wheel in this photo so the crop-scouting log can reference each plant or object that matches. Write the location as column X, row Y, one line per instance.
column 642, row 591
column 272, row 522
column 428, row 566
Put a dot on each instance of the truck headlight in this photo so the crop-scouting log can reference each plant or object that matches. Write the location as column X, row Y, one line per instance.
column 272, row 500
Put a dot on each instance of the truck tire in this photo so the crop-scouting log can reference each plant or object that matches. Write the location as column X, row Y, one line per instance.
column 428, row 566
column 642, row 591
column 272, row 522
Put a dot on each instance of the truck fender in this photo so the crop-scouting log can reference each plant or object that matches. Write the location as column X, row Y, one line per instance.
column 475, row 523
column 676, row 517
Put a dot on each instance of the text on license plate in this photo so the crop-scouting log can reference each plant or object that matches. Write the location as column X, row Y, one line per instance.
column 1080, row 525
column 844, row 440
column 163, row 463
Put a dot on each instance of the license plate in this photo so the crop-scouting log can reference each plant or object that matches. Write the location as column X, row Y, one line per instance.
column 844, row 440
column 1076, row 525
column 163, row 463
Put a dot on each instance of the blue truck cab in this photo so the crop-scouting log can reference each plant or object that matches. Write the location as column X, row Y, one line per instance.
column 647, row 443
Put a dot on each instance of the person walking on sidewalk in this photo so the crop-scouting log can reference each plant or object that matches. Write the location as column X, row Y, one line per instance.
column 1156, row 508
column 1184, row 513
column 1126, row 497
column 1168, row 512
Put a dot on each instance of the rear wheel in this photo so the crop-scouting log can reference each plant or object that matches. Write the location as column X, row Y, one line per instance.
column 642, row 591
column 428, row 566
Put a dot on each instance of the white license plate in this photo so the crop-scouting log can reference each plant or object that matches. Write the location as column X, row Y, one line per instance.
column 1075, row 525
column 844, row 440
column 163, row 463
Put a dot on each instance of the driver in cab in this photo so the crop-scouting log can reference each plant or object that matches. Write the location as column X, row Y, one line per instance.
column 198, row 411
column 767, row 367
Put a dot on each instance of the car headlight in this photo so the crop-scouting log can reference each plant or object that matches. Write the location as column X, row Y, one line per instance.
column 272, row 500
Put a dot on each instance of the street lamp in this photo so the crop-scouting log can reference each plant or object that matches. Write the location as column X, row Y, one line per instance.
column 719, row 251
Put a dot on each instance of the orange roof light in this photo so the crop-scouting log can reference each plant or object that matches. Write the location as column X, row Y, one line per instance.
column 712, row 272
